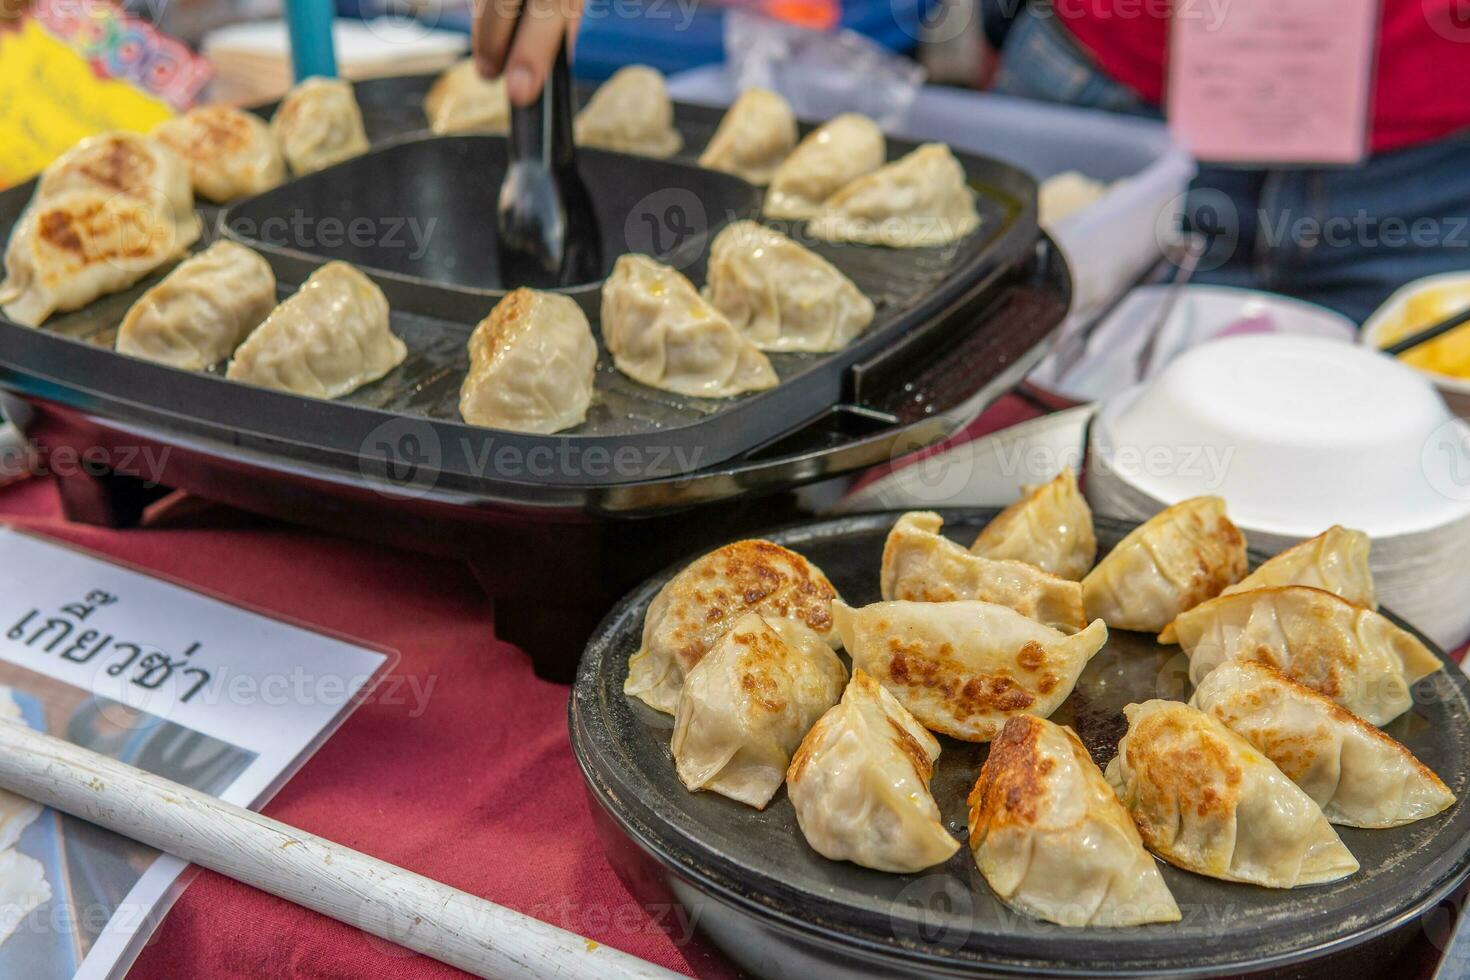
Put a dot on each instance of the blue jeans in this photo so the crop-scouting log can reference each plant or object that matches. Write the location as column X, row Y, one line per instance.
column 1344, row 237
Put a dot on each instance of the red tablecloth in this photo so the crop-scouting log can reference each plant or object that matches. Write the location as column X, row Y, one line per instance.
column 475, row 787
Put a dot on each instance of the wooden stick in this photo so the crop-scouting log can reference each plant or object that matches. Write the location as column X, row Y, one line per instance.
column 405, row 908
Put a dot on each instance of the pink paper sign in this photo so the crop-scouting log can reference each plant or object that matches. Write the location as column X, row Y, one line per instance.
column 1272, row 81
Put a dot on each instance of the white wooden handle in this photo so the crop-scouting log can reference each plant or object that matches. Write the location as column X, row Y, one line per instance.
column 405, row 908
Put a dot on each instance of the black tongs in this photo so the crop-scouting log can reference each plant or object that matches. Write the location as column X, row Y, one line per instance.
column 548, row 234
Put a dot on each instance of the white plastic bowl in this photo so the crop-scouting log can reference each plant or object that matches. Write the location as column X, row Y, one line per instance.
column 1456, row 391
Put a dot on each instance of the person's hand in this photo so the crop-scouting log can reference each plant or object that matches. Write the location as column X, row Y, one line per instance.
column 525, row 62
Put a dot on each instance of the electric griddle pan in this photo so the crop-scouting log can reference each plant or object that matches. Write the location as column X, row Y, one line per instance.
column 751, row 884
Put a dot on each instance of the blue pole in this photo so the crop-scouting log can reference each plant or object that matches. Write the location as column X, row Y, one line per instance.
column 310, row 25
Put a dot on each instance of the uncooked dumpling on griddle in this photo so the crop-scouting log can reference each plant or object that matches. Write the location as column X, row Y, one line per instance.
column 829, row 158
column 921, row 565
column 745, row 707
column 698, row 606
column 1052, row 839
column 1205, row 800
column 784, row 297
column 630, row 113
column 662, row 333
column 917, row 201
column 532, row 365
column 1358, row 775
column 1049, row 527
column 137, row 166
column 464, row 101
column 328, row 339
column 963, row 668
column 230, row 153
column 1172, row 562
column 202, row 310
column 756, row 134
column 318, row 124
column 1354, row 656
column 859, row 784
column 78, row 246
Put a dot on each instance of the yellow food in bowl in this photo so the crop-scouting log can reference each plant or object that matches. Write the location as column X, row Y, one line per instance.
column 1449, row 354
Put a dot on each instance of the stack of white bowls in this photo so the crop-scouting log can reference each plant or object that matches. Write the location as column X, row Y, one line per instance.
column 1298, row 434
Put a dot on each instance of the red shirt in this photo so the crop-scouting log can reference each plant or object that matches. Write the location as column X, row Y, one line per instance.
column 1421, row 89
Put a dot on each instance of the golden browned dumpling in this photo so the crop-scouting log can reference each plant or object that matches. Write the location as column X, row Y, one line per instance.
column 463, row 101
column 755, row 135
column 318, row 124
column 1051, row 838
column 1205, row 800
column 1172, row 562
column 747, row 704
column 1358, row 776
column 963, row 668
column 859, row 784
column 230, row 153
column 922, row 565
column 1352, row 655
column 1049, row 527
column 699, row 605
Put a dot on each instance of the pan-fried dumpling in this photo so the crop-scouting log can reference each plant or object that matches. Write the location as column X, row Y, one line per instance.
column 757, row 133
column 202, row 310
column 134, row 165
column 532, row 364
column 630, row 113
column 922, row 565
column 859, row 784
column 1051, row 838
column 746, row 706
column 1172, row 562
column 919, row 200
column 662, row 333
column 1049, row 527
column 782, row 296
column 77, row 246
column 1352, row 655
column 464, row 101
column 16, row 812
column 230, row 153
column 698, row 605
column 1206, row 801
column 1358, row 776
column 1334, row 561
column 318, row 124
column 963, row 668
column 831, row 157
column 328, row 339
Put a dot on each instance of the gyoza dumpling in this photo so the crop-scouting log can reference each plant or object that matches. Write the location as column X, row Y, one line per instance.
column 23, row 889
column 1051, row 838
column 1205, row 800
column 330, row 338
column 746, row 706
column 464, row 101
column 963, row 668
column 757, row 133
column 919, row 200
column 131, row 164
column 1352, row 655
column 75, row 247
column 318, row 124
column 697, row 607
column 16, row 812
column 1334, row 561
column 630, row 113
column 1172, row 562
column 662, row 333
column 1049, row 527
column 1358, row 776
column 831, row 157
column 860, row 784
column 230, row 153
column 1063, row 195
column 532, row 364
column 780, row 295
column 202, row 310
column 922, row 565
